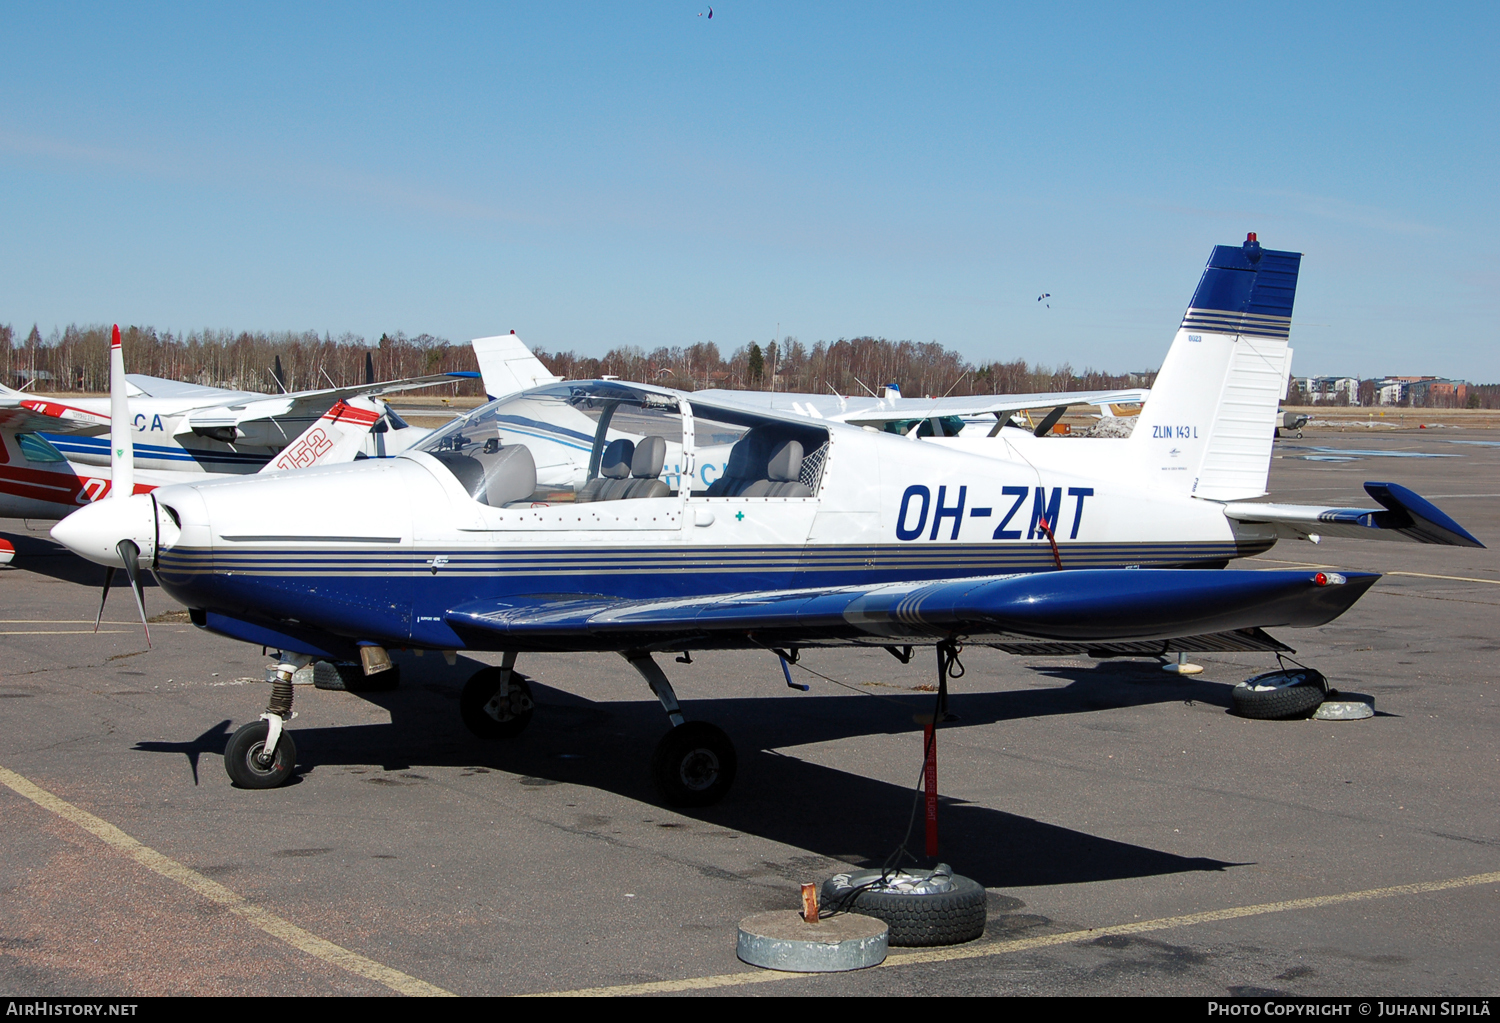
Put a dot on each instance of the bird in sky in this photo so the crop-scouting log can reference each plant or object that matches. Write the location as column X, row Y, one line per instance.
column 1045, row 294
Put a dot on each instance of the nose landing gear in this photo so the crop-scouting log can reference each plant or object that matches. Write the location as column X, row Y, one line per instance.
column 261, row 754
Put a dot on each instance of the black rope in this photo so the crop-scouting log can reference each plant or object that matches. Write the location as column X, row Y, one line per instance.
column 949, row 666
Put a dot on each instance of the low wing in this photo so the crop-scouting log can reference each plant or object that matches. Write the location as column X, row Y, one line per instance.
column 1404, row 515
column 1085, row 608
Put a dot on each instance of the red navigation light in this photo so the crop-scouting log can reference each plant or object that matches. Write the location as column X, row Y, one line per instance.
column 1320, row 579
column 1250, row 237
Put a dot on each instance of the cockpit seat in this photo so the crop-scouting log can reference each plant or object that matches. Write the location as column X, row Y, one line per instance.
column 495, row 477
column 628, row 471
column 762, row 465
column 782, row 470
column 509, row 475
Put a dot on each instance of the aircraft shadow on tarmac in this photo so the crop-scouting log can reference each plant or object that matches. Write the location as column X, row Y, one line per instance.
column 573, row 740
column 44, row 556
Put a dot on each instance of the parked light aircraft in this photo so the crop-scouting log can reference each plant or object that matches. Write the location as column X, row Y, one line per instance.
column 508, row 366
column 818, row 533
column 55, row 454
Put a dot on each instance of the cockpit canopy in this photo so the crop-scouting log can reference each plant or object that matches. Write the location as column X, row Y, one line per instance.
column 609, row 441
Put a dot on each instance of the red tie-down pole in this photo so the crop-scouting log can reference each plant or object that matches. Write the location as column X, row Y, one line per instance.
column 929, row 737
column 948, row 666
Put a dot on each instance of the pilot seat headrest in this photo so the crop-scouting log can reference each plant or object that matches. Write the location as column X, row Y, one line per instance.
column 786, row 462
column 650, row 453
column 509, row 475
column 615, row 464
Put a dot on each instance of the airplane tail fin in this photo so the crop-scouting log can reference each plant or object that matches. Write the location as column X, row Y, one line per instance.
column 1207, row 427
column 508, row 366
column 337, row 437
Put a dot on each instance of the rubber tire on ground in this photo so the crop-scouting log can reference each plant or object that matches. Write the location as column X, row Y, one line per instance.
column 937, row 918
column 480, row 689
column 694, row 764
column 245, row 744
column 1293, row 693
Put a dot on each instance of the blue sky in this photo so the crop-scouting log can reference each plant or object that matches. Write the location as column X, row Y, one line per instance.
column 594, row 175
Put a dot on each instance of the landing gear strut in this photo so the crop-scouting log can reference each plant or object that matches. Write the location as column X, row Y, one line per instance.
column 496, row 703
column 694, row 764
column 261, row 755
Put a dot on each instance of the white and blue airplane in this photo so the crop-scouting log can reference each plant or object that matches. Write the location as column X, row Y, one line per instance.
column 817, row 533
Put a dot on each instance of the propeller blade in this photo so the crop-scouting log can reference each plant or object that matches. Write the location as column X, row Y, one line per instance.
column 129, row 553
column 121, row 444
column 109, row 577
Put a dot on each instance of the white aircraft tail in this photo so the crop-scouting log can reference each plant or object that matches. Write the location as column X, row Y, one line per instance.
column 337, row 437
column 508, row 366
column 1207, row 427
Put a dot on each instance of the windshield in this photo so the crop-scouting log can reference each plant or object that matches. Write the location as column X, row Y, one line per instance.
column 560, row 444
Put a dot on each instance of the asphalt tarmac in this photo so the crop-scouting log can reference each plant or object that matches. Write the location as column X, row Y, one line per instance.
column 1133, row 835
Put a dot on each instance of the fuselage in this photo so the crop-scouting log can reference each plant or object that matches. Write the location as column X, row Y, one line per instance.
column 380, row 551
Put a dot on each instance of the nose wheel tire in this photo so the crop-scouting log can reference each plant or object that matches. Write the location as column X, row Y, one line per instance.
column 488, row 716
column 247, row 764
column 694, row 764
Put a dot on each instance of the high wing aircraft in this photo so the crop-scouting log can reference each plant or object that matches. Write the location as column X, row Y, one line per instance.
column 55, row 454
column 37, row 482
column 818, row 533
column 508, row 366
column 187, row 427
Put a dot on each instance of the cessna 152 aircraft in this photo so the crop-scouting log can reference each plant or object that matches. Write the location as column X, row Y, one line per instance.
column 492, row 536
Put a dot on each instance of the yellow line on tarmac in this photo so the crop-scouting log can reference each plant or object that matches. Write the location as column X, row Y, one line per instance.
column 61, row 632
column 210, row 889
column 1419, row 575
column 999, row 948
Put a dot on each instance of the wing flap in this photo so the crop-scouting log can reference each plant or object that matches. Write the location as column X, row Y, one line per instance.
column 1237, row 641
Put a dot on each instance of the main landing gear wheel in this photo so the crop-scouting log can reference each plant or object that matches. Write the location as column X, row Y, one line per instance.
column 246, row 761
column 486, row 714
column 1277, row 695
column 694, row 764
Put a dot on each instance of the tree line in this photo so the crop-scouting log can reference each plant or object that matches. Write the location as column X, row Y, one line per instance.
column 77, row 360
column 848, row 366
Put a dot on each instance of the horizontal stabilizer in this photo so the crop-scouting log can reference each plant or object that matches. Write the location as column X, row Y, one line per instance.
column 1088, row 606
column 1404, row 516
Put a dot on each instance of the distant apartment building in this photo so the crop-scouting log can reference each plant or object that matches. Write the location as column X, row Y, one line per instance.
column 1329, row 390
column 1422, row 392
